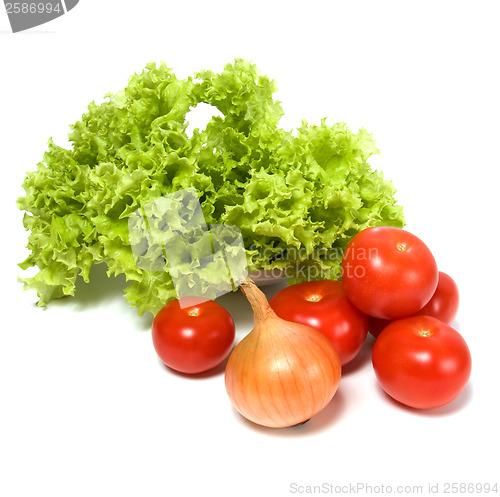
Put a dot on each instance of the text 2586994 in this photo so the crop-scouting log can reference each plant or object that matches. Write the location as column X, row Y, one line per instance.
column 32, row 8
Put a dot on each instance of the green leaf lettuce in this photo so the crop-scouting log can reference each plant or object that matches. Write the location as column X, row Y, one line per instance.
column 297, row 198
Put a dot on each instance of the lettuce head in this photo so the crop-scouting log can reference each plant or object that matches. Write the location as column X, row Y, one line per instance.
column 298, row 196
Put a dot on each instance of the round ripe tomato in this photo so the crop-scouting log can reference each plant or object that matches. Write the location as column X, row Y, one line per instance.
column 193, row 339
column 444, row 303
column 324, row 306
column 388, row 272
column 421, row 362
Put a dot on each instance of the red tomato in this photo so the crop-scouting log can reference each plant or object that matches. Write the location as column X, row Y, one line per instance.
column 388, row 272
column 421, row 362
column 193, row 339
column 443, row 305
column 324, row 306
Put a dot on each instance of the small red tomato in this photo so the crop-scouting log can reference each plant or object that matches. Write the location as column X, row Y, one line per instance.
column 323, row 305
column 444, row 303
column 421, row 362
column 193, row 339
column 388, row 272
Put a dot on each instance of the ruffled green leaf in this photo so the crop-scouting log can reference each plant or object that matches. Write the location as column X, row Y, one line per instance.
column 297, row 200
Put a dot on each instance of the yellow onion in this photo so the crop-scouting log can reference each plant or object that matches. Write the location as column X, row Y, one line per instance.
column 282, row 373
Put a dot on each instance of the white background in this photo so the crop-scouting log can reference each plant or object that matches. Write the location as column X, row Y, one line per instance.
column 86, row 407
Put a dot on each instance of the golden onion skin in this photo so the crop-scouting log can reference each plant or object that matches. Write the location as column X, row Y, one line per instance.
column 282, row 373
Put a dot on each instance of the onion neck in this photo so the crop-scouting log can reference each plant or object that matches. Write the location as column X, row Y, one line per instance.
column 260, row 306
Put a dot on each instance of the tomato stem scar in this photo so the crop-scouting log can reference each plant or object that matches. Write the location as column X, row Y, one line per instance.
column 425, row 333
column 314, row 298
column 194, row 312
column 401, row 247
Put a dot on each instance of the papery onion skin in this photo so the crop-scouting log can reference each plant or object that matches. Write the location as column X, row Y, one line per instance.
column 282, row 373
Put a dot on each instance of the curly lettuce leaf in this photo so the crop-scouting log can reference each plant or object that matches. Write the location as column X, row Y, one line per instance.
column 296, row 199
